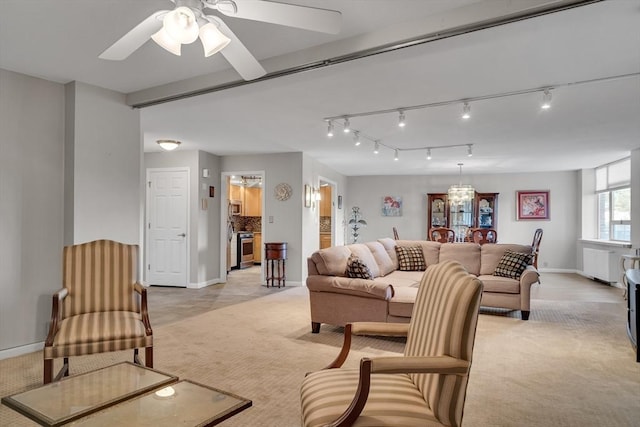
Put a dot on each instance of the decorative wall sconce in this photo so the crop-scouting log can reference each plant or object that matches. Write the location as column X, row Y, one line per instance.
column 307, row 196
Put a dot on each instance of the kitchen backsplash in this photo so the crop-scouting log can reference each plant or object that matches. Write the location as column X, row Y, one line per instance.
column 247, row 223
column 325, row 224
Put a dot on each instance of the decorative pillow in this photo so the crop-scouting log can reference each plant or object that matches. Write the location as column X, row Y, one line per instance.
column 512, row 264
column 356, row 269
column 410, row 258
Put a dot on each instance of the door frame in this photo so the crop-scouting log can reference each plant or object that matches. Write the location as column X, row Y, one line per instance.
column 224, row 215
column 145, row 269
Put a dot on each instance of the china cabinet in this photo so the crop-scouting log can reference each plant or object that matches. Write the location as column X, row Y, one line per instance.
column 480, row 212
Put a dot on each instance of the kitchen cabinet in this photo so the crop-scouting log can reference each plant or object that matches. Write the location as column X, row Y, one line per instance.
column 325, row 240
column 236, row 192
column 325, row 200
column 257, row 248
column 252, row 204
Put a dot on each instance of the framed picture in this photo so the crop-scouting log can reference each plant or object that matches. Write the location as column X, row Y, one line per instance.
column 212, row 191
column 392, row 206
column 307, row 196
column 532, row 205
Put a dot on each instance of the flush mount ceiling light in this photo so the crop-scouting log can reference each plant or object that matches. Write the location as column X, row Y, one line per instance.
column 546, row 99
column 466, row 111
column 168, row 144
column 188, row 21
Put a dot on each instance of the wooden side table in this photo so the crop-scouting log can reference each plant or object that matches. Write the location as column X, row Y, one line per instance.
column 634, row 260
column 275, row 257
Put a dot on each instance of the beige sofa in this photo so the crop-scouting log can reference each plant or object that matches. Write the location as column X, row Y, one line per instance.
column 337, row 299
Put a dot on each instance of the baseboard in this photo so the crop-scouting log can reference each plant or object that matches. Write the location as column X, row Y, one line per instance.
column 558, row 270
column 614, row 284
column 204, row 284
column 19, row 351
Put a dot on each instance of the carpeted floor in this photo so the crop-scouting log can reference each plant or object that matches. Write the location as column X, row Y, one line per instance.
column 571, row 364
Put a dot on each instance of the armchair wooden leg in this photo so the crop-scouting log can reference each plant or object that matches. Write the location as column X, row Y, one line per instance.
column 48, row 371
column 148, row 357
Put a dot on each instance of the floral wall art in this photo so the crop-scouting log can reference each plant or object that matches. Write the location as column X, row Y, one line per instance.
column 392, row 206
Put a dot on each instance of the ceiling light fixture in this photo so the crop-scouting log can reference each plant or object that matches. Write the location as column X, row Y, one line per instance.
column 428, row 153
column 469, row 151
column 395, row 156
column 376, row 147
column 347, row 125
column 168, row 144
column 213, row 41
column 546, row 99
column 330, row 129
column 401, row 119
column 459, row 194
column 356, row 138
column 466, row 111
column 164, row 40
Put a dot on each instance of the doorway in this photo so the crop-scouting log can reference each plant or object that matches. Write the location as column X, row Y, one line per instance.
column 166, row 224
column 326, row 213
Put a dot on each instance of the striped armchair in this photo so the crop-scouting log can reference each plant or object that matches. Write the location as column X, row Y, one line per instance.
column 425, row 387
column 101, row 306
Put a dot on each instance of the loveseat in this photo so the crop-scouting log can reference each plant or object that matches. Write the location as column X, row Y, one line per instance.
column 339, row 294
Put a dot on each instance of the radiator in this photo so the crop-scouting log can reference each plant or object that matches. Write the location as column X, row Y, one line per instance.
column 599, row 264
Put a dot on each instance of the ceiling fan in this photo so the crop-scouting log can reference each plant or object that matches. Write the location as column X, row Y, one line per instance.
column 188, row 22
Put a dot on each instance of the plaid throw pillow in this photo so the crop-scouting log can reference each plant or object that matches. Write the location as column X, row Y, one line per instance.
column 356, row 269
column 410, row 258
column 512, row 264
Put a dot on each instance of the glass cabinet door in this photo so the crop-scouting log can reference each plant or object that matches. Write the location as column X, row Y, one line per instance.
column 437, row 210
column 487, row 209
column 461, row 219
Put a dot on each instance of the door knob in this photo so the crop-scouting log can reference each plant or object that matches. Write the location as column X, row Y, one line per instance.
column 182, row 235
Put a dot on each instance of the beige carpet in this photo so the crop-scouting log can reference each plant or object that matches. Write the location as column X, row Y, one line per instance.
column 571, row 364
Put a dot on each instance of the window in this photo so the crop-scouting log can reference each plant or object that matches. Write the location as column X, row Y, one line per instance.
column 614, row 200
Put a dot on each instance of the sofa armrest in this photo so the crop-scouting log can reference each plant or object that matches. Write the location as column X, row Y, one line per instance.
column 345, row 285
column 528, row 277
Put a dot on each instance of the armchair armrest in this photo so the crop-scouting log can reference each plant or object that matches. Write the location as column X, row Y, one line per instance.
column 144, row 311
column 421, row 365
column 56, row 313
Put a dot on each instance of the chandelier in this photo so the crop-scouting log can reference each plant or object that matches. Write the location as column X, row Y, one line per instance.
column 460, row 194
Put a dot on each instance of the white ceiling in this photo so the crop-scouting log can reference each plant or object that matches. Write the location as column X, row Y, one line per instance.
column 588, row 124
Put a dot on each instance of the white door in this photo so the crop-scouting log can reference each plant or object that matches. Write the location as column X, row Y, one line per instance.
column 167, row 219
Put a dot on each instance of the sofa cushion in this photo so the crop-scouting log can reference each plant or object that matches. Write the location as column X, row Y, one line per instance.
column 401, row 305
column 467, row 254
column 402, row 278
column 385, row 264
column 356, row 269
column 331, row 261
column 512, row 264
column 491, row 254
column 390, row 248
column 503, row 285
column 410, row 258
column 363, row 252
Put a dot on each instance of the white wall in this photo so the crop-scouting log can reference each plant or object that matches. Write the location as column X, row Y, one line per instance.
column 106, row 169
column 31, row 205
column 558, row 248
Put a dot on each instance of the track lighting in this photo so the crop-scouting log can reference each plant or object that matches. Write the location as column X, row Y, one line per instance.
column 395, row 156
column 356, row 138
column 466, row 111
column 469, row 152
column 330, row 129
column 347, row 125
column 546, row 100
column 428, row 153
column 401, row 119
column 376, row 147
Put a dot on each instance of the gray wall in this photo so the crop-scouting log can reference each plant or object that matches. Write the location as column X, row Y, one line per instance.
column 31, row 205
column 560, row 233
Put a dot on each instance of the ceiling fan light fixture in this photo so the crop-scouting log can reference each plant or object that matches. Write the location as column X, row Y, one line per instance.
column 181, row 25
column 164, row 40
column 168, row 144
column 213, row 41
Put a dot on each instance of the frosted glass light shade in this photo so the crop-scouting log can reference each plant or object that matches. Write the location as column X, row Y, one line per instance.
column 165, row 41
column 181, row 25
column 168, row 144
column 213, row 41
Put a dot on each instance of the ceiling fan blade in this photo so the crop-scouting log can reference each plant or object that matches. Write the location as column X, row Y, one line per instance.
column 135, row 38
column 239, row 56
column 307, row 18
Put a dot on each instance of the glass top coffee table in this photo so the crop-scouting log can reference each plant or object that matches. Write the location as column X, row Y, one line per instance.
column 131, row 393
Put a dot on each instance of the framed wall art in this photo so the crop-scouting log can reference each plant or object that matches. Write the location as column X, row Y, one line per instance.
column 392, row 206
column 532, row 205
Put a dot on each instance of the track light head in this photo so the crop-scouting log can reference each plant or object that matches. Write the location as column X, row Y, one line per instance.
column 469, row 151
column 428, row 153
column 466, row 111
column 401, row 119
column 347, row 125
column 330, row 129
column 376, row 147
column 356, row 138
column 395, row 155
column 546, row 99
